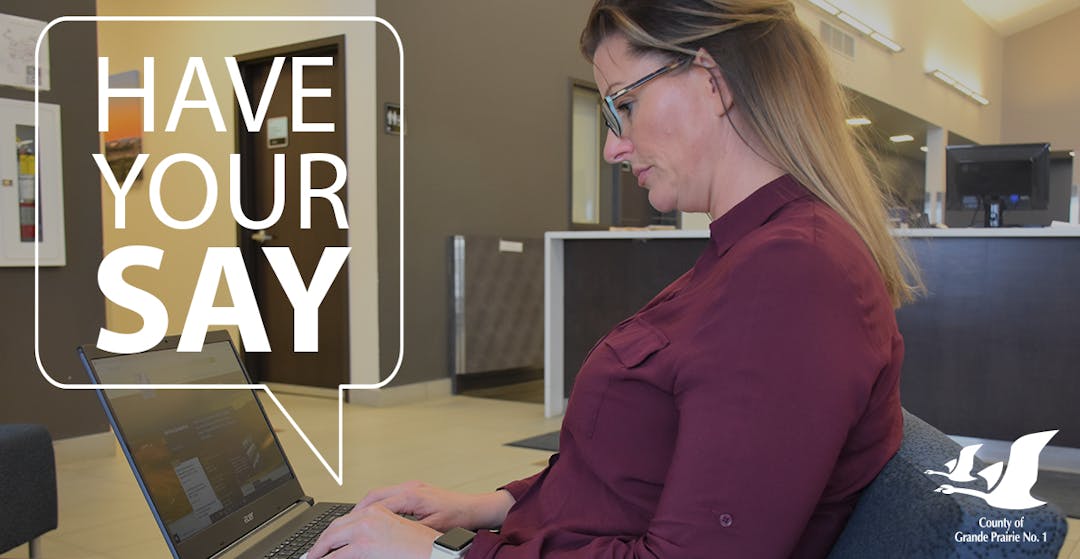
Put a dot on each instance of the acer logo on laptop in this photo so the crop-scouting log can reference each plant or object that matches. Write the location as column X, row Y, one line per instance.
column 1011, row 490
column 249, row 517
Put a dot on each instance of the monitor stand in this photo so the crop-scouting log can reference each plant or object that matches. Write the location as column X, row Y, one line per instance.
column 995, row 212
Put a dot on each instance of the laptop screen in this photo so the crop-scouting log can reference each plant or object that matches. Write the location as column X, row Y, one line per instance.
column 202, row 454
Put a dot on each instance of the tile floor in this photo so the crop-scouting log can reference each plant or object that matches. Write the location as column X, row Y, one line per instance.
column 456, row 442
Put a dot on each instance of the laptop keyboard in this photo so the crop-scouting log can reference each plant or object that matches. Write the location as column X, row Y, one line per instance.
column 295, row 545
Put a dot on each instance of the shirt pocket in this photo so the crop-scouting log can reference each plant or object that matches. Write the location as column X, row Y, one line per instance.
column 627, row 347
column 634, row 342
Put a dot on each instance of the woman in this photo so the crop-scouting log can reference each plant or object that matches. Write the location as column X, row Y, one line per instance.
column 743, row 410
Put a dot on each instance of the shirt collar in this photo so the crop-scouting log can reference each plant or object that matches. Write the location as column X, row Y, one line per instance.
column 754, row 211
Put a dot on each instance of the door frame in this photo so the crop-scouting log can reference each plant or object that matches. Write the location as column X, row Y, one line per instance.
column 607, row 182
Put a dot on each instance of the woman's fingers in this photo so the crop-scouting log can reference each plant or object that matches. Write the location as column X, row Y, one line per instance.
column 406, row 502
column 423, row 506
column 347, row 552
column 382, row 493
column 373, row 533
column 338, row 534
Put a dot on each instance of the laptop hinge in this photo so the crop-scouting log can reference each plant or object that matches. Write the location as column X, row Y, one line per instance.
column 256, row 536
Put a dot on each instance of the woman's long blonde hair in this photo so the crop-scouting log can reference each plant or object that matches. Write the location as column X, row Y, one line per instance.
column 781, row 81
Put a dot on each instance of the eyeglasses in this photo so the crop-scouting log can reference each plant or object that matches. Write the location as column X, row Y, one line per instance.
column 611, row 112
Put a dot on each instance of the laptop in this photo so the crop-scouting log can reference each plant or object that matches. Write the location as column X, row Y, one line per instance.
column 208, row 462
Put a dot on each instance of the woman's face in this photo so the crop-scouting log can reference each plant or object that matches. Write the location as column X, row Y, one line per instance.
column 670, row 133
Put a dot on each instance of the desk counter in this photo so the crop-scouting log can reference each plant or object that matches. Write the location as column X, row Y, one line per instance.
column 1001, row 319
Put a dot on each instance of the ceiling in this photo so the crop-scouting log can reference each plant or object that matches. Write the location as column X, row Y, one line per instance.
column 1012, row 16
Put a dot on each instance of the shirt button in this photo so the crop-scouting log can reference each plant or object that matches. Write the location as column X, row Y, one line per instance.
column 726, row 520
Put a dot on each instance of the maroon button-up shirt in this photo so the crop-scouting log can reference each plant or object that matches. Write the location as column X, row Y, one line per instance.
column 737, row 415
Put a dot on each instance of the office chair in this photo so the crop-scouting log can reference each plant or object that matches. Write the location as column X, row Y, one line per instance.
column 27, row 486
column 899, row 515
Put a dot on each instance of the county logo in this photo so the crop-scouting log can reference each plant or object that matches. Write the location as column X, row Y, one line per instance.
column 1009, row 491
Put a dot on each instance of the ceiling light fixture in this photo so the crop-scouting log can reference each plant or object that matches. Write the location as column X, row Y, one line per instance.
column 924, row 149
column 886, row 42
column 858, row 121
column 856, row 24
column 959, row 86
column 943, row 77
column 852, row 21
column 902, row 138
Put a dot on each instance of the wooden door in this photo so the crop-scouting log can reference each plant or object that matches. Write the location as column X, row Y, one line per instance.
column 329, row 366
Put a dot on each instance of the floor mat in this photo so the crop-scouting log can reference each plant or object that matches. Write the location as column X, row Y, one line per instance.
column 548, row 442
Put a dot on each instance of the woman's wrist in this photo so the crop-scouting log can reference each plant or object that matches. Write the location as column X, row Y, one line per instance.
column 492, row 509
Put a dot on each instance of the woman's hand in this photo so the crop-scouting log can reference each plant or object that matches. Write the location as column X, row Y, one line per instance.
column 441, row 509
column 374, row 529
column 374, row 532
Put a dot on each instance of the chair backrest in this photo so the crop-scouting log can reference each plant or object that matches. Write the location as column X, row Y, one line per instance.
column 900, row 515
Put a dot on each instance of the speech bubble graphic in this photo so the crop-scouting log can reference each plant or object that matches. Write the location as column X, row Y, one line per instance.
column 338, row 474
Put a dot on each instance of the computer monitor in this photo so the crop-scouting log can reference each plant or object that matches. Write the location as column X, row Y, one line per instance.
column 1012, row 176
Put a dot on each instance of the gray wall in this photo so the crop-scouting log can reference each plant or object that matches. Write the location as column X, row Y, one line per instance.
column 487, row 148
column 72, row 308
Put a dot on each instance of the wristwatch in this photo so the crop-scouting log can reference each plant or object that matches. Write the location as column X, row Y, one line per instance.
column 452, row 544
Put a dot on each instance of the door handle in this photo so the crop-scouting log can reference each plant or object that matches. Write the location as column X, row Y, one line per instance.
column 261, row 236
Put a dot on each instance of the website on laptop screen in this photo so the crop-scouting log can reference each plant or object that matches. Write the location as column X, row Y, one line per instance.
column 202, row 454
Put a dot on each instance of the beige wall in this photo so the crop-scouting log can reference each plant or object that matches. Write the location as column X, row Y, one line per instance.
column 935, row 34
column 1042, row 84
column 183, row 191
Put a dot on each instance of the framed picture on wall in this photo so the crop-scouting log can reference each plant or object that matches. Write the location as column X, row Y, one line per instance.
column 31, row 185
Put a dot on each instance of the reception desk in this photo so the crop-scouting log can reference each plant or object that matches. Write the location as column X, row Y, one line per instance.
column 992, row 349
